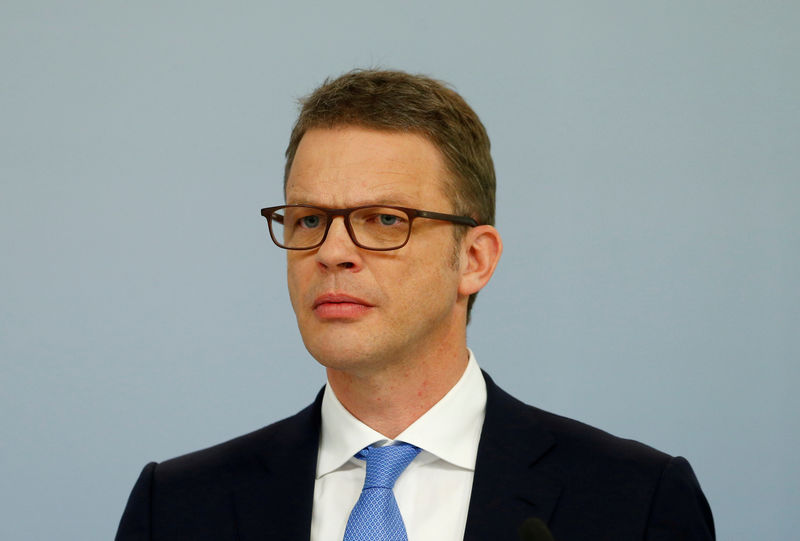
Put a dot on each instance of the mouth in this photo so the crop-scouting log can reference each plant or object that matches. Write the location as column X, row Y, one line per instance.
column 340, row 306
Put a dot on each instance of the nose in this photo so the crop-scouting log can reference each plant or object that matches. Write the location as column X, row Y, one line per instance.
column 338, row 250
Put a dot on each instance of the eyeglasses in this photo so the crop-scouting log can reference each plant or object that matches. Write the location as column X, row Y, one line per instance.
column 374, row 227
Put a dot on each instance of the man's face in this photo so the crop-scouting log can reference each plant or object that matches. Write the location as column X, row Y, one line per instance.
column 359, row 309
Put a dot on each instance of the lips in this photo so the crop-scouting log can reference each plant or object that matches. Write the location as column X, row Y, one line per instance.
column 340, row 306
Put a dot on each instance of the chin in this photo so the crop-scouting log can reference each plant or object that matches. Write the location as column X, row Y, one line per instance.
column 334, row 341
column 345, row 353
column 334, row 352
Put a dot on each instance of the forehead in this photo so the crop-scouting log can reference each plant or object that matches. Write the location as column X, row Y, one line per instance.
column 347, row 166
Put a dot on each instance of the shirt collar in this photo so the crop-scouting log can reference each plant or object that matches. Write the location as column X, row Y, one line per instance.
column 450, row 430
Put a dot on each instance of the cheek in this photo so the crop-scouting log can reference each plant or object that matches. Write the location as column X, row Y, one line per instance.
column 294, row 279
column 426, row 285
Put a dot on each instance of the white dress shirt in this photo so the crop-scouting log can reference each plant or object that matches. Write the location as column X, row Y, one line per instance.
column 433, row 492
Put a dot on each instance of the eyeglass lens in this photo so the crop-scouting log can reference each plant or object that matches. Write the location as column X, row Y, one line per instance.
column 373, row 227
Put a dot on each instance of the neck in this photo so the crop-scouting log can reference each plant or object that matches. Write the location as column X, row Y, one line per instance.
column 390, row 399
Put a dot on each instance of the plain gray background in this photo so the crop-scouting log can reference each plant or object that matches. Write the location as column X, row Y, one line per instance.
column 648, row 162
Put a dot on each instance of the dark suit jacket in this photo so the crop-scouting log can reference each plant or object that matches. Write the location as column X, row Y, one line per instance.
column 582, row 482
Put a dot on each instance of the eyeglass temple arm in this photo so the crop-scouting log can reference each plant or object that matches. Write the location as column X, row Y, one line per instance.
column 464, row 220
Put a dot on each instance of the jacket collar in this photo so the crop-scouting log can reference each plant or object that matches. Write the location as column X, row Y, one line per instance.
column 512, row 482
column 277, row 504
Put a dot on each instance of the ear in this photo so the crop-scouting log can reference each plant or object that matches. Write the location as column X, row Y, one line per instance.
column 482, row 247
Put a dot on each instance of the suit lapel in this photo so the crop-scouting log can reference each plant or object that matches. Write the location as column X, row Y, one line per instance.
column 277, row 504
column 511, row 481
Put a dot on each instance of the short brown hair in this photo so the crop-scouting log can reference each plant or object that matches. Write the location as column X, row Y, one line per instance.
column 399, row 101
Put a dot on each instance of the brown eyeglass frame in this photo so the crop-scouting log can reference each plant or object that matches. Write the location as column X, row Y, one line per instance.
column 345, row 213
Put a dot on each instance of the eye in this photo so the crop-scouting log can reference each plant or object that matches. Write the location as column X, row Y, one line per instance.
column 388, row 219
column 378, row 218
column 309, row 222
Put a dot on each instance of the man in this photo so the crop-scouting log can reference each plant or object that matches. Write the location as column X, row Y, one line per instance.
column 389, row 189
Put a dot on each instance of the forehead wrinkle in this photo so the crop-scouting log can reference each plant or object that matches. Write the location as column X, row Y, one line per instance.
column 388, row 192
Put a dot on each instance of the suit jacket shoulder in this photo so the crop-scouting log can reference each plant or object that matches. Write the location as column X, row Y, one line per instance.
column 245, row 488
column 582, row 481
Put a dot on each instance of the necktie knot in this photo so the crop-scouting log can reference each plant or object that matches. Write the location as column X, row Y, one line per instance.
column 385, row 464
column 376, row 516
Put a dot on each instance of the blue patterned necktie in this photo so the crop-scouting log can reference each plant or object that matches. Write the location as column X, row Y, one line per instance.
column 375, row 516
